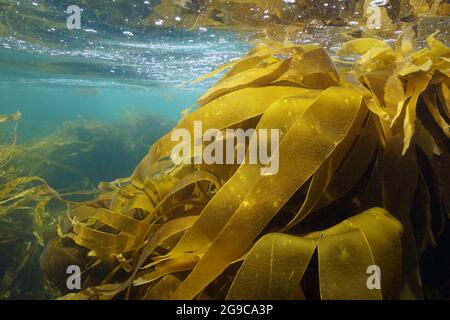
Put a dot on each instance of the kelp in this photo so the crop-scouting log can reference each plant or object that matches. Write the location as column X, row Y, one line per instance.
column 29, row 210
column 362, row 182
column 278, row 256
column 24, row 222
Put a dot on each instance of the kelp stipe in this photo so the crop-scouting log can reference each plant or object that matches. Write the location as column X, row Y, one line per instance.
column 358, row 149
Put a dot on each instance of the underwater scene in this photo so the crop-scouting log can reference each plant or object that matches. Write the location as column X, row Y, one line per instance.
column 225, row 150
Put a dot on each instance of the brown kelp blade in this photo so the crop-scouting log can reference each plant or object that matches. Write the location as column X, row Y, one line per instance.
column 275, row 266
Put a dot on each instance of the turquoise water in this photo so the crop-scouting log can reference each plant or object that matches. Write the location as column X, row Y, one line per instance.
column 149, row 73
column 59, row 78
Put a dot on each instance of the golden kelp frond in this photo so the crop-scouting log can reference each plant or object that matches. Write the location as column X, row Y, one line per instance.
column 10, row 117
column 408, row 74
column 17, row 192
column 371, row 139
column 277, row 262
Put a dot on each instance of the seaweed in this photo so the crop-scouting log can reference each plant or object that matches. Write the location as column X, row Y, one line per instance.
column 78, row 154
column 363, row 181
column 72, row 161
column 24, row 223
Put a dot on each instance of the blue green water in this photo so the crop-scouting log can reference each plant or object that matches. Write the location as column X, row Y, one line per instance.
column 151, row 73
column 100, row 75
